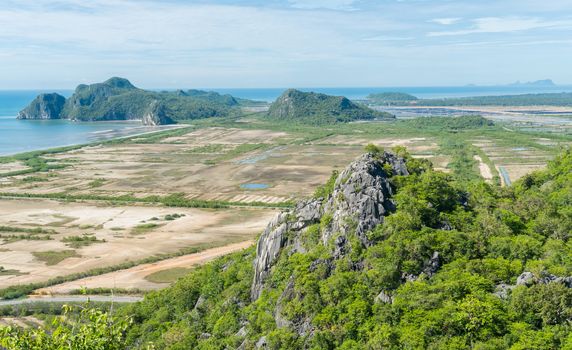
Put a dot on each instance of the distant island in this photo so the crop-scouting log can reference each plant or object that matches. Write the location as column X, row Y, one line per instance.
column 118, row 99
column 315, row 108
column 543, row 82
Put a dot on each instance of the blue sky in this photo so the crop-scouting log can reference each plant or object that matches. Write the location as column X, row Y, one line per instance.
column 284, row 43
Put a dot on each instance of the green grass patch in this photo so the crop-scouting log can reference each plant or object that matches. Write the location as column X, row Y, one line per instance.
column 144, row 228
column 81, row 241
column 54, row 257
column 169, row 275
column 96, row 183
column 6, row 272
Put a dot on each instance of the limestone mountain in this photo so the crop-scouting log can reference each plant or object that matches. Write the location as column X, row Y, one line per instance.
column 118, row 99
column 45, row 106
column 315, row 108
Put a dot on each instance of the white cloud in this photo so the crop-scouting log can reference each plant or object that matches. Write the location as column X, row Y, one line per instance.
column 503, row 25
column 388, row 38
column 323, row 4
column 446, row 21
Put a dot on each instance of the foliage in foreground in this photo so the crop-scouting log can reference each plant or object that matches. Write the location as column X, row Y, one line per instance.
column 85, row 328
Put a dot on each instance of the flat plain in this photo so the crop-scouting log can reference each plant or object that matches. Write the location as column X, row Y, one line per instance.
column 102, row 205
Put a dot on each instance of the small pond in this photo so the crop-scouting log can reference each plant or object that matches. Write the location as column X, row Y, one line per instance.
column 254, row 186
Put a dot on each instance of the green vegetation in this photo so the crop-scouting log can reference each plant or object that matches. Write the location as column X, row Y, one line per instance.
column 78, row 328
column 144, row 228
column 169, row 275
column 96, row 183
column 33, row 231
column 54, row 257
column 30, row 234
column 450, row 123
column 172, row 200
column 106, row 291
column 485, row 237
column 6, row 272
column 315, row 109
column 171, row 217
column 118, row 99
column 546, row 99
column 81, row 241
column 389, row 98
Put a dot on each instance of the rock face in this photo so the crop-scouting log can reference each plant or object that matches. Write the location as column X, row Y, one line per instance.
column 315, row 108
column 45, row 106
column 157, row 115
column 362, row 196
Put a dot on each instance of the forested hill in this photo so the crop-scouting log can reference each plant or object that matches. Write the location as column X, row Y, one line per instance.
column 314, row 108
column 546, row 99
column 118, row 99
column 389, row 254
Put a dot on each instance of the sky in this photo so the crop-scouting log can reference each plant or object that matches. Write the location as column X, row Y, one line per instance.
column 284, row 43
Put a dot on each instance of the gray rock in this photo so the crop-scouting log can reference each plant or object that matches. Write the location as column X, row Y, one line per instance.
column 274, row 238
column 432, row 266
column 502, row 290
column 45, row 106
column 156, row 114
column 205, row 335
column 200, row 302
column 526, row 278
column 262, row 343
column 362, row 196
column 242, row 332
column 384, row 297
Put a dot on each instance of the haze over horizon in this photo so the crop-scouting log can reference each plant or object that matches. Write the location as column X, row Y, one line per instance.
column 49, row 44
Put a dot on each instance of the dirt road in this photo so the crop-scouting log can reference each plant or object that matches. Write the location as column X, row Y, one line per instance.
column 135, row 276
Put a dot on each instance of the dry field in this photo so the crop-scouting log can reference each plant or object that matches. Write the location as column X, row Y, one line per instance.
column 123, row 233
column 516, row 161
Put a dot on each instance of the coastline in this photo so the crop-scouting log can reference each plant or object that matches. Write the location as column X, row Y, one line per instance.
column 99, row 136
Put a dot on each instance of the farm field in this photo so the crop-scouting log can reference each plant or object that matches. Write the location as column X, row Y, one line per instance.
column 213, row 184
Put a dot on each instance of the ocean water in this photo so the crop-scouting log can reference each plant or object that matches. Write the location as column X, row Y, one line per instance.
column 26, row 135
column 18, row 136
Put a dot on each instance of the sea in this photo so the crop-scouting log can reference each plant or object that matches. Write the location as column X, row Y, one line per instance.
column 18, row 136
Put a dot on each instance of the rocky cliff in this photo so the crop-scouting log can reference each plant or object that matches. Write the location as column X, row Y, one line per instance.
column 45, row 106
column 316, row 108
column 361, row 197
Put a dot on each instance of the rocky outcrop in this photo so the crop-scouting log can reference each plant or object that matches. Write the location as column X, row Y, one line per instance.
column 274, row 238
column 45, row 106
column 529, row 279
column 361, row 197
column 157, row 115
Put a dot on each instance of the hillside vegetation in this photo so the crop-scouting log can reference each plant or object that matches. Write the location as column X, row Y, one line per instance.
column 448, row 266
column 118, row 99
column 314, row 108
